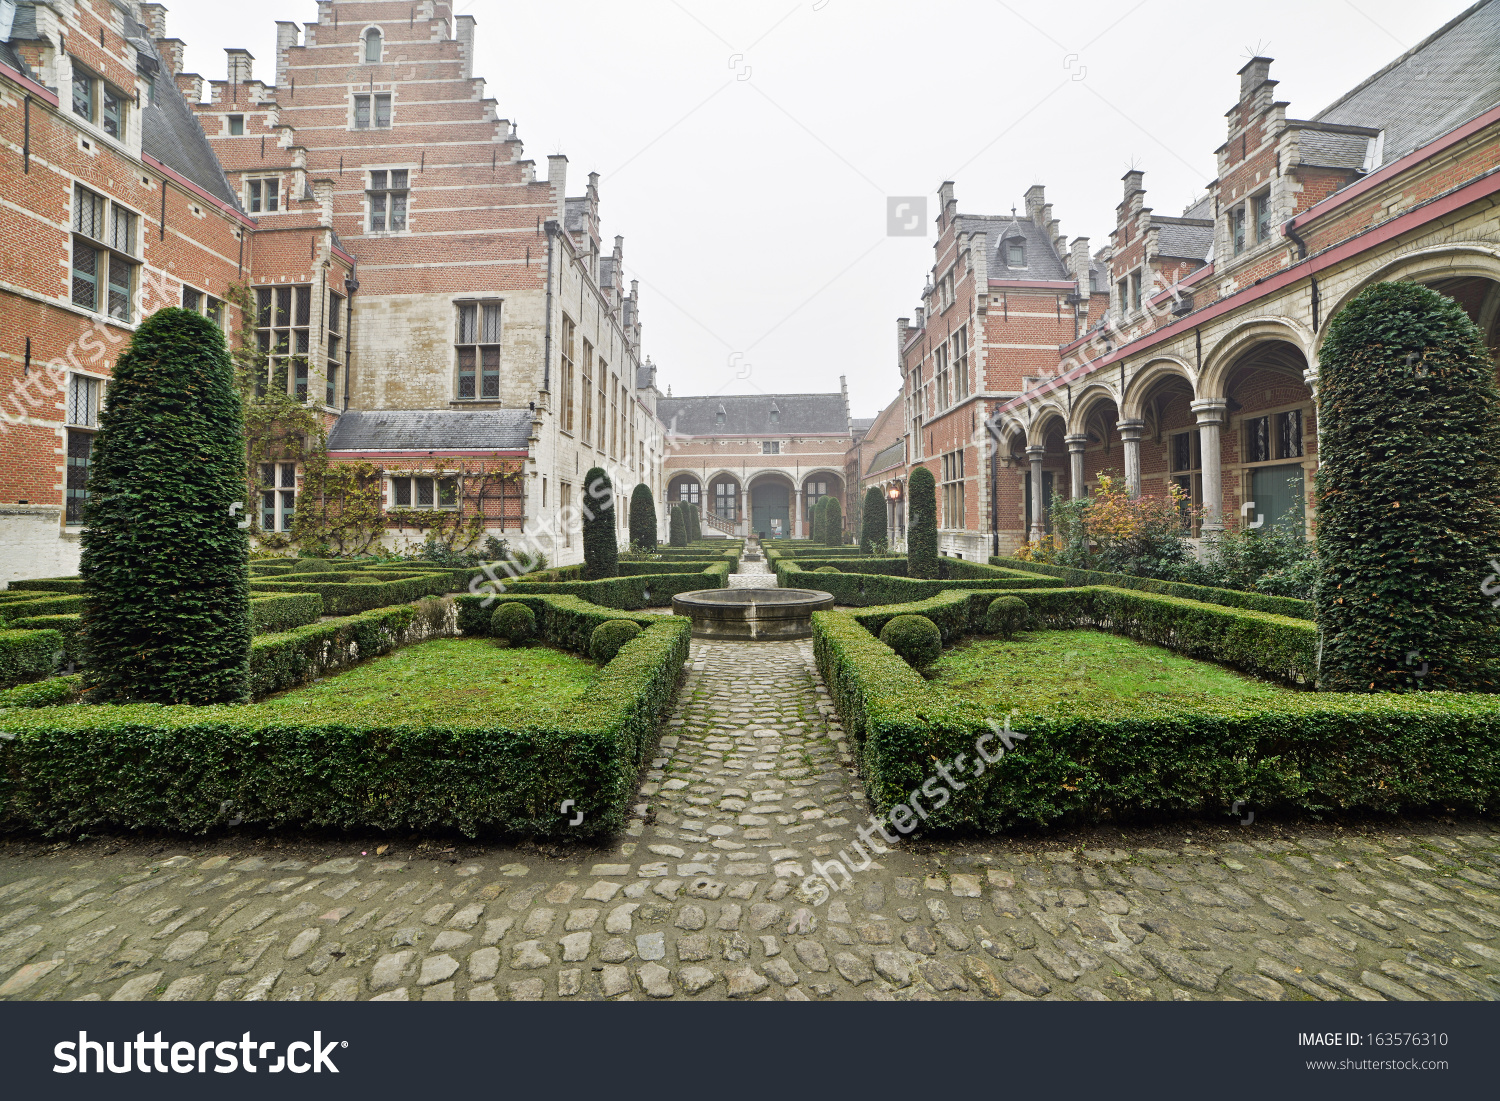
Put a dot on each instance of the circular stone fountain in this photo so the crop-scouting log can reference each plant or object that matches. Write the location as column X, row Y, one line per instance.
column 752, row 615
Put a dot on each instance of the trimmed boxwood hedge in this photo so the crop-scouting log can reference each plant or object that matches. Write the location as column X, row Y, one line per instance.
column 1230, row 598
column 642, row 591
column 565, row 621
column 27, row 655
column 863, row 589
column 295, row 657
column 191, row 769
column 269, row 614
column 343, row 598
column 45, row 604
column 72, row 585
column 1312, row 751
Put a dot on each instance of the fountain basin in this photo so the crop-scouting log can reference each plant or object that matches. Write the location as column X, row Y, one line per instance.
column 752, row 615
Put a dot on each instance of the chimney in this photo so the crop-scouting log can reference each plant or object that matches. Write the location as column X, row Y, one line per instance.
column 287, row 35
column 190, row 85
column 465, row 38
column 945, row 198
column 240, row 65
column 557, row 178
column 323, row 193
column 155, row 18
column 173, row 51
column 1255, row 73
column 1036, row 203
column 1133, row 180
column 921, row 314
column 1080, row 265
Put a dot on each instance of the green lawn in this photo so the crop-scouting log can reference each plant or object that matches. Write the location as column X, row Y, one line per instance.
column 1072, row 671
column 447, row 679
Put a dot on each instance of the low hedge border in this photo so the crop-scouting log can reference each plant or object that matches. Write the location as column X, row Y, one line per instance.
column 71, row 585
column 270, row 614
column 1230, row 598
column 51, row 604
column 342, row 598
column 191, row 769
column 629, row 593
column 28, row 655
column 565, row 621
column 866, row 589
column 1314, row 752
column 8, row 597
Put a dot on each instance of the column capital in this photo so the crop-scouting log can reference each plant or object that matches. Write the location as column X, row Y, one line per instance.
column 1210, row 410
column 1077, row 442
column 1131, row 430
column 1036, row 453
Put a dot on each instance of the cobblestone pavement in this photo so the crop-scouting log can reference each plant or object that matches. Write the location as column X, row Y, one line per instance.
column 702, row 898
column 753, row 575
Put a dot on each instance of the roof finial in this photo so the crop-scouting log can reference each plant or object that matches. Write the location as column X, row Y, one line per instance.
column 1012, row 212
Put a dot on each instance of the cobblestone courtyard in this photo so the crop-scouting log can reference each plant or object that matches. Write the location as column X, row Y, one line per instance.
column 700, row 898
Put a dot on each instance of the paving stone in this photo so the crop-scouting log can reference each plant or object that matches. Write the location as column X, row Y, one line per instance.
column 1026, row 981
column 854, row 969
column 812, row 955
column 528, row 956
column 941, row 976
column 742, row 982
column 656, row 981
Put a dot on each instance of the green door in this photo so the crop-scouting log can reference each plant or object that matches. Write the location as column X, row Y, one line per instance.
column 1278, row 496
column 770, row 513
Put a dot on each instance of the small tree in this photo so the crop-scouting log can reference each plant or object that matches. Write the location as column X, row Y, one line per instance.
column 1141, row 535
column 816, row 521
column 872, row 533
column 1408, row 495
column 921, row 526
column 695, row 527
column 601, row 546
column 165, row 564
column 833, row 522
column 642, row 518
column 677, row 533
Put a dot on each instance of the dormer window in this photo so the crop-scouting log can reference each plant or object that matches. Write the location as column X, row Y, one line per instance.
column 372, row 45
column 719, row 418
column 775, row 415
column 1015, row 253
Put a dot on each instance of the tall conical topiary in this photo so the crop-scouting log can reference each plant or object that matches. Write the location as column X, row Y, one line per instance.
column 694, row 523
column 833, row 532
column 921, row 524
column 1408, row 496
column 601, row 546
column 677, row 533
column 642, row 518
column 820, row 521
column 165, row 564
column 872, row 531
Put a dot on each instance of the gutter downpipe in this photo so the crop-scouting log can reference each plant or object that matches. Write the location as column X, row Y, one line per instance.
column 551, row 227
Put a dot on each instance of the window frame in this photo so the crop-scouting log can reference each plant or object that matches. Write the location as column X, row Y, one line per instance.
column 387, row 194
column 100, row 91
column 372, row 105
column 566, row 344
column 951, row 467
column 278, row 496
column 100, row 239
column 483, row 353
column 376, row 35
column 770, row 447
column 436, row 482
column 263, row 194
column 298, row 350
column 230, row 122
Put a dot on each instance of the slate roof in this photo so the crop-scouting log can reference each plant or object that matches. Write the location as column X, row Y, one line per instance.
column 889, row 457
column 860, row 426
column 1442, row 82
column 750, row 415
column 1324, row 149
column 1184, row 237
column 432, row 430
column 1042, row 261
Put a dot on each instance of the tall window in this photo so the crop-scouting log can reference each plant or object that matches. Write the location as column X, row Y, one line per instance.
column 372, row 45
column 380, row 118
column 99, row 102
column 614, row 417
column 263, row 195
column 565, row 413
column 278, row 496
column 602, row 383
column 282, row 334
column 83, row 418
column 953, row 489
column 479, row 349
column 387, row 197
column 565, row 503
column 335, row 346
column 1262, row 206
column 1187, row 472
column 961, row 363
column 425, row 492
column 104, row 247
column 944, row 381
column 1135, row 290
column 814, row 492
column 1237, row 228
column 586, row 394
column 726, row 498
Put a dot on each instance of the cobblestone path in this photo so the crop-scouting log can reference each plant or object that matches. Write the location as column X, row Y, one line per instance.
column 753, row 575
column 702, row 898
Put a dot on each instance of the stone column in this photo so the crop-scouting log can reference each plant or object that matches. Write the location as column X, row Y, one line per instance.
column 1130, row 435
column 797, row 514
column 1038, row 506
column 1076, row 444
column 1210, row 413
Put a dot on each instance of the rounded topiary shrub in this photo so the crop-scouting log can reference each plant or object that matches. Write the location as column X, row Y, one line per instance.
column 1005, row 615
column 828, row 569
column 915, row 637
column 312, row 565
column 513, row 622
column 607, row 639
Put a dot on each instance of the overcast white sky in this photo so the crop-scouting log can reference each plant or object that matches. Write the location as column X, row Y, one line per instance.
column 746, row 150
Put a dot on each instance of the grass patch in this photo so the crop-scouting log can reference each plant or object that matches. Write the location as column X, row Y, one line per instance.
column 1057, row 672
column 446, row 680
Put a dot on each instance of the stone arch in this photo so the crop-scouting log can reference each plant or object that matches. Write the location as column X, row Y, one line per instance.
column 1468, row 272
column 1151, row 375
column 1232, row 349
column 728, row 507
column 1085, row 406
column 1040, row 419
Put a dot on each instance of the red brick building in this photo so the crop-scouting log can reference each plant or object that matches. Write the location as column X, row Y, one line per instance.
column 1195, row 358
column 410, row 277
